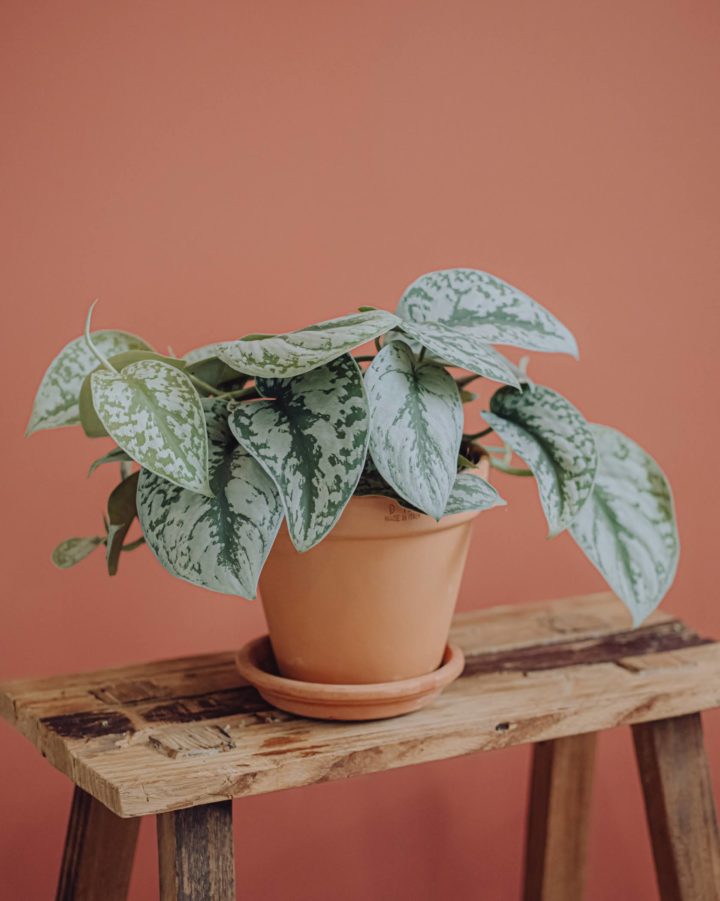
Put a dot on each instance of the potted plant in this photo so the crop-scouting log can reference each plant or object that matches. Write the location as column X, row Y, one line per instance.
column 346, row 486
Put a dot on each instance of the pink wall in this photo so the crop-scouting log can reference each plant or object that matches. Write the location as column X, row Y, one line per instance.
column 213, row 169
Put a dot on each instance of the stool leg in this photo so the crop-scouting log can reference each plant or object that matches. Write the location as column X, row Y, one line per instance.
column 99, row 850
column 195, row 850
column 558, row 818
column 680, row 808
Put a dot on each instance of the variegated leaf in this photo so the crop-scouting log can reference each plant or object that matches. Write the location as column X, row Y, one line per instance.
column 219, row 542
column 460, row 347
column 198, row 354
column 471, row 492
column 152, row 411
column 92, row 426
column 56, row 401
column 417, row 418
column 311, row 438
column 487, row 307
column 116, row 455
column 555, row 441
column 627, row 528
column 283, row 356
column 73, row 550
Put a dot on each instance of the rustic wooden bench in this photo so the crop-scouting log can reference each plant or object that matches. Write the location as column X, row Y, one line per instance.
column 181, row 738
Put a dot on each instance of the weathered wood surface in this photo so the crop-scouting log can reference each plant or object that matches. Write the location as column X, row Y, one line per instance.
column 195, row 853
column 176, row 733
column 99, row 851
column 680, row 809
column 559, row 818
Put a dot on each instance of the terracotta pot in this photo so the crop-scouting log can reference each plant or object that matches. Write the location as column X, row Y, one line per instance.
column 373, row 601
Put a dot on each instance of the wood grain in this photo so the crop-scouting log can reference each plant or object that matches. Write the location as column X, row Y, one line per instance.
column 99, row 851
column 195, row 854
column 680, row 808
column 558, row 818
column 170, row 734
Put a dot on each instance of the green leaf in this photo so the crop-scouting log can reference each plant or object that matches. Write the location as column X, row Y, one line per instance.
column 486, row 307
column 283, row 356
column 372, row 484
column 217, row 373
column 460, row 347
column 72, row 551
column 122, row 510
column 627, row 529
column 553, row 438
column 89, row 419
column 471, row 492
column 220, row 542
column 56, row 402
column 152, row 411
column 312, row 440
column 417, row 419
column 116, row 455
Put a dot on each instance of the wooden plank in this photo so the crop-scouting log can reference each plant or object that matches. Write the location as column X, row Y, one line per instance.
column 558, row 818
column 195, row 854
column 680, row 808
column 99, row 851
column 177, row 733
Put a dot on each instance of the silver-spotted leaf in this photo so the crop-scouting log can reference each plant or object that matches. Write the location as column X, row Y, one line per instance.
column 56, row 401
column 311, row 438
column 486, row 306
column 73, row 550
column 471, row 492
column 417, row 418
column 89, row 420
column 152, row 411
column 219, row 542
column 283, row 356
column 555, row 441
column 627, row 528
column 198, row 354
column 460, row 347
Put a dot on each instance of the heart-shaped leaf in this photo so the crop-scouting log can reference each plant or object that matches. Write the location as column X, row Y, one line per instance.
column 73, row 550
column 56, row 401
column 627, row 528
column 283, row 356
column 312, row 440
column 417, row 418
column 471, row 492
column 199, row 354
column 555, row 441
column 152, row 411
column 122, row 510
column 116, row 455
column 89, row 419
column 219, row 542
column 487, row 307
column 460, row 347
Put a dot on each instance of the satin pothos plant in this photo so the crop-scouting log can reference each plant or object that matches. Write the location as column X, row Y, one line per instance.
column 217, row 447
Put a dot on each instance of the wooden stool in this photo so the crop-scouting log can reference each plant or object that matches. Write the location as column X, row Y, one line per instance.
column 181, row 738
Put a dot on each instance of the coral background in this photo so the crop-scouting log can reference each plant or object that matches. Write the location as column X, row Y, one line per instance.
column 213, row 169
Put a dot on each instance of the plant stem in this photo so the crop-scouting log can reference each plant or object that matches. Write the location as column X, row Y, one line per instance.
column 378, row 345
column 467, row 379
column 241, row 393
column 509, row 470
column 199, row 383
column 364, row 358
column 474, row 435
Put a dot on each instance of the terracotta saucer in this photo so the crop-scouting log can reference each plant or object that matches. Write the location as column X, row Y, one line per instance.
column 343, row 702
